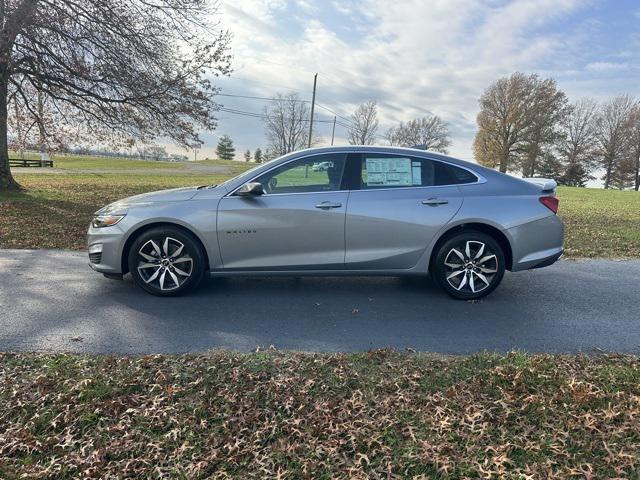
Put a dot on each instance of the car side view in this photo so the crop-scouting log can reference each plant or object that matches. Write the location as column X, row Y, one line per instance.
column 355, row 210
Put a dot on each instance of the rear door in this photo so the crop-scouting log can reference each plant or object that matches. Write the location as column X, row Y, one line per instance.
column 297, row 224
column 400, row 204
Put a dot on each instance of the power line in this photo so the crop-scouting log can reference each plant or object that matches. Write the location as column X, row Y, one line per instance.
column 335, row 113
column 264, row 116
column 254, row 97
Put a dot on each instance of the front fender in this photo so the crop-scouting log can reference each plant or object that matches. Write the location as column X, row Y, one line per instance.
column 198, row 217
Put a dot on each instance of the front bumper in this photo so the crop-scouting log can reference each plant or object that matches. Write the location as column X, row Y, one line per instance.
column 105, row 249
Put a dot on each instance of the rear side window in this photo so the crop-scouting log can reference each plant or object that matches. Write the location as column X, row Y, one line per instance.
column 447, row 174
column 389, row 171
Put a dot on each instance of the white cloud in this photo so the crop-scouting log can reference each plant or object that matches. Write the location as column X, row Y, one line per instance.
column 411, row 56
column 606, row 66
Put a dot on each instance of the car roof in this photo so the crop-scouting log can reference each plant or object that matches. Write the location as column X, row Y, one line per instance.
column 382, row 149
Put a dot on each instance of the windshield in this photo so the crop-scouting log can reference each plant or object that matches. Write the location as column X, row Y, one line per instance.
column 251, row 171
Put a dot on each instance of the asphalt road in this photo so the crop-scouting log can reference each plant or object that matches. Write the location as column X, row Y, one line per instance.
column 51, row 300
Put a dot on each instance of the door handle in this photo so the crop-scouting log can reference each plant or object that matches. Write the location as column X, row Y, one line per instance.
column 434, row 202
column 328, row 205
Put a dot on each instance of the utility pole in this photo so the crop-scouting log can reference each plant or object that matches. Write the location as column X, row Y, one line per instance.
column 333, row 132
column 313, row 104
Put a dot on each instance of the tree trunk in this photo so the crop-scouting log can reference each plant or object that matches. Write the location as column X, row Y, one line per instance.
column 504, row 162
column 532, row 164
column 7, row 182
column 637, row 177
column 607, row 177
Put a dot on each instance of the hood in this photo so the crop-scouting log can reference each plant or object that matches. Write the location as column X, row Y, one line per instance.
column 171, row 195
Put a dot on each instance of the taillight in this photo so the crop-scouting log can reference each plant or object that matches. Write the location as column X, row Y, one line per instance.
column 551, row 202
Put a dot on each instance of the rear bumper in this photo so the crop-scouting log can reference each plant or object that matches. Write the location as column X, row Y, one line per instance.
column 537, row 244
column 549, row 260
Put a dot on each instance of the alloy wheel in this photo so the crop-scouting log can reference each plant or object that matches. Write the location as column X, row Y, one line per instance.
column 164, row 263
column 470, row 267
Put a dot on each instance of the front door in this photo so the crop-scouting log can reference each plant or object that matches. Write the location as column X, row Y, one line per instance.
column 401, row 204
column 298, row 223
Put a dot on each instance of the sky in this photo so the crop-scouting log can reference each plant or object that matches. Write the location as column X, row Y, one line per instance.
column 415, row 57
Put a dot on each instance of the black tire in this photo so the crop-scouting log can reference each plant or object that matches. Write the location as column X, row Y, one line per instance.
column 186, row 264
column 473, row 275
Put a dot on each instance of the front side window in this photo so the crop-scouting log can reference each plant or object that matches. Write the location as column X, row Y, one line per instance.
column 389, row 171
column 320, row 173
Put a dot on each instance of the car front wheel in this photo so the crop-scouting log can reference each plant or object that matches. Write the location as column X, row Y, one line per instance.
column 469, row 265
column 166, row 261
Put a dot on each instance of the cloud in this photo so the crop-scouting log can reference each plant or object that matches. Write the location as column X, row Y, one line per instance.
column 607, row 66
column 412, row 56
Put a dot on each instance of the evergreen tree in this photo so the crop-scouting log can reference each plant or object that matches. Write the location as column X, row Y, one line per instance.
column 225, row 149
column 549, row 167
column 575, row 175
column 247, row 156
column 257, row 156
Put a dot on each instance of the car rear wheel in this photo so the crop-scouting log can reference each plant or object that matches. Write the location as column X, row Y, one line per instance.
column 166, row 261
column 469, row 265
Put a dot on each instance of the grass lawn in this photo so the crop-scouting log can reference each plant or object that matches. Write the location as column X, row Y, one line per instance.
column 600, row 223
column 319, row 416
column 82, row 162
column 56, row 209
column 70, row 162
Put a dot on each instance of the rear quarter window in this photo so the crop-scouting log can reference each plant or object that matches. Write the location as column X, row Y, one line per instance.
column 446, row 174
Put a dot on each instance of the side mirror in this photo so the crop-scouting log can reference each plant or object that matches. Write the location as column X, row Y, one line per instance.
column 251, row 188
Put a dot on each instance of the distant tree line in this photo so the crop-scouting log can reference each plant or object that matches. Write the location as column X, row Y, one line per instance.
column 287, row 129
column 225, row 150
column 527, row 125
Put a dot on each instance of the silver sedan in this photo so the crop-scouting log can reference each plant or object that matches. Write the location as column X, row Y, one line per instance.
column 371, row 211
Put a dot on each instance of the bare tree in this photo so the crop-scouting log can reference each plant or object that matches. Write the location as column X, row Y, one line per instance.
column 518, row 118
column 113, row 69
column 612, row 134
column 577, row 146
column 285, row 121
column 364, row 124
column 152, row 152
column 431, row 132
column 634, row 145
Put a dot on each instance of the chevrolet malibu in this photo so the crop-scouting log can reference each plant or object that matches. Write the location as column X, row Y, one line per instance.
column 371, row 211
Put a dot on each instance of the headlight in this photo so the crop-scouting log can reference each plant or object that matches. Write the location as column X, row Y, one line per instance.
column 106, row 220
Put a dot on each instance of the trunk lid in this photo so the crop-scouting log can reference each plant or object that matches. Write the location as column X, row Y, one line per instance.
column 547, row 185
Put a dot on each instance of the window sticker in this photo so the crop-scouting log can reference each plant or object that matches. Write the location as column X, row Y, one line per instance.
column 391, row 172
column 416, row 173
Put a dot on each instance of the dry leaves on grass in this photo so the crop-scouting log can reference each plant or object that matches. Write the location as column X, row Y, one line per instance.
column 286, row 415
